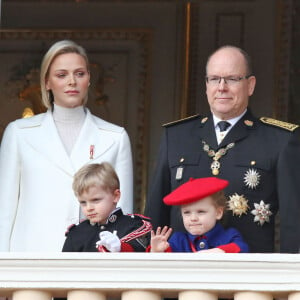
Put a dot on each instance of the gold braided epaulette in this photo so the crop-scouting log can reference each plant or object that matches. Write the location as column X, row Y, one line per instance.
column 181, row 120
column 277, row 123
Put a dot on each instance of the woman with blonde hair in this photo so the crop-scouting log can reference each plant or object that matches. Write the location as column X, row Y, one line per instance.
column 40, row 155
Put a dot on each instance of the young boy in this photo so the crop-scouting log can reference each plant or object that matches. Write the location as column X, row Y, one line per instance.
column 106, row 229
column 202, row 206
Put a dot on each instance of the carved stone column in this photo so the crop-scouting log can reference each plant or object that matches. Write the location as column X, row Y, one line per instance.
column 83, row 295
column 31, row 295
column 138, row 295
column 294, row 296
column 197, row 295
column 252, row 295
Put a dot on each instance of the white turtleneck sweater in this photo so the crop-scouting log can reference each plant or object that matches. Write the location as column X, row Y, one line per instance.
column 68, row 122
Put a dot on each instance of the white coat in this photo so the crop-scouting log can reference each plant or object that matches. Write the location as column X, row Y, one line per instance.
column 37, row 202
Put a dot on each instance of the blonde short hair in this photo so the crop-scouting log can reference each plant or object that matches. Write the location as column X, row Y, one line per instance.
column 61, row 47
column 102, row 175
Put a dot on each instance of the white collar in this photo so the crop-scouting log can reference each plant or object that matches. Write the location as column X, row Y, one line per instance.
column 232, row 121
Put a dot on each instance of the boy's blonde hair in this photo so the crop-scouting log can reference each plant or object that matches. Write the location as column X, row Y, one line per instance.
column 102, row 175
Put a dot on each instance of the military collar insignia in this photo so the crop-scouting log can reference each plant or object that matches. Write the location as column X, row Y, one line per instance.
column 261, row 212
column 248, row 123
column 238, row 204
column 112, row 218
column 252, row 178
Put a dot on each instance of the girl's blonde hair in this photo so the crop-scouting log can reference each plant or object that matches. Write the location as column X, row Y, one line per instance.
column 61, row 47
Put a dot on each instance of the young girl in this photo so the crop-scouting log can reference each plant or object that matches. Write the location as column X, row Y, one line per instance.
column 202, row 204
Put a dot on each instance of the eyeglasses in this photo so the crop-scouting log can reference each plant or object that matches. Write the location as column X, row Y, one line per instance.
column 229, row 80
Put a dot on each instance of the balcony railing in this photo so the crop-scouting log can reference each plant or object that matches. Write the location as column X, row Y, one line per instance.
column 149, row 276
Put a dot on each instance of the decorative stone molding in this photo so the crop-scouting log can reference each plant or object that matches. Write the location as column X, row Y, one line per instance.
column 165, row 274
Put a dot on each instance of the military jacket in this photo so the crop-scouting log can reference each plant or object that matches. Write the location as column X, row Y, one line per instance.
column 260, row 160
column 133, row 230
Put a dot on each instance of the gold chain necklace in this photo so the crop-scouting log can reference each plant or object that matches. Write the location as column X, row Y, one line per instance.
column 216, row 165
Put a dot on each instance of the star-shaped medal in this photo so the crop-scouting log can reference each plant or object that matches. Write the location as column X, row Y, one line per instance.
column 238, row 204
column 252, row 178
column 261, row 212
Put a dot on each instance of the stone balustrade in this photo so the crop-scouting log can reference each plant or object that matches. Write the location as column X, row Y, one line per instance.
column 149, row 276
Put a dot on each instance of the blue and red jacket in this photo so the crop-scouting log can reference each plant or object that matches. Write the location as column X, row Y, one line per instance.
column 229, row 240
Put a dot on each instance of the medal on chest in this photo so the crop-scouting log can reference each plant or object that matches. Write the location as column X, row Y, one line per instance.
column 261, row 212
column 216, row 156
column 252, row 178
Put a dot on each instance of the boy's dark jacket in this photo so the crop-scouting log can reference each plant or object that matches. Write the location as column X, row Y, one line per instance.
column 132, row 230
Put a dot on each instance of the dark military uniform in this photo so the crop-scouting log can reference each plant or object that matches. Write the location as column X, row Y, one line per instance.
column 132, row 230
column 259, row 158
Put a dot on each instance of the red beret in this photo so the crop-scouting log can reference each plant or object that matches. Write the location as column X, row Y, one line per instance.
column 194, row 190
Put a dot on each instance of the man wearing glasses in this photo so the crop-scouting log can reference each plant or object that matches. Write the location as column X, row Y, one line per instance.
column 259, row 157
